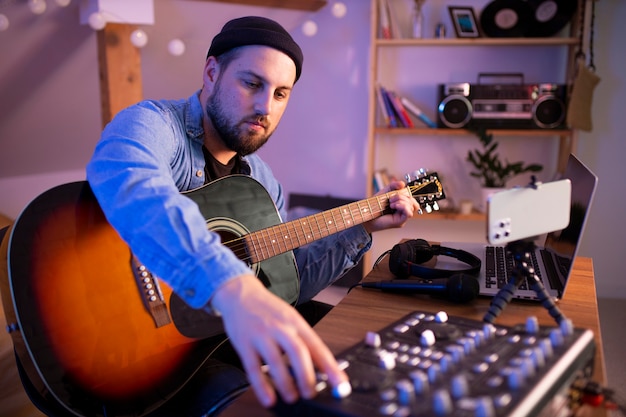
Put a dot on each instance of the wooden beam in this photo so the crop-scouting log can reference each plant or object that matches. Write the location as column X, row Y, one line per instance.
column 119, row 69
column 310, row 5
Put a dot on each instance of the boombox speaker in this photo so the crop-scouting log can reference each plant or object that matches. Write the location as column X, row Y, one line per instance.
column 501, row 105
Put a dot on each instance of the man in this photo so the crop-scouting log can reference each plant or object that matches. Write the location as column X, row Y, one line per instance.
column 154, row 150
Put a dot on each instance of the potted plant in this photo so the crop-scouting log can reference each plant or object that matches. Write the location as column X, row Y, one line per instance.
column 493, row 171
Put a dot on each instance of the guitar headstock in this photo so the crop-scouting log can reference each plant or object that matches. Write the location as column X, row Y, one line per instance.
column 426, row 189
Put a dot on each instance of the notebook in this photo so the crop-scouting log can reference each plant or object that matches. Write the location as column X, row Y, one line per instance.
column 553, row 260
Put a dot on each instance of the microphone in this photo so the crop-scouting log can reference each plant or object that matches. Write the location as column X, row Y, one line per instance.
column 459, row 288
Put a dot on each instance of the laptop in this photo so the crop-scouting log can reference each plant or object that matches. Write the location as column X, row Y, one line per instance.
column 553, row 260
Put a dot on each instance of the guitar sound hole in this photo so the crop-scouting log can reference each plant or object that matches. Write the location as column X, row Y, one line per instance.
column 231, row 234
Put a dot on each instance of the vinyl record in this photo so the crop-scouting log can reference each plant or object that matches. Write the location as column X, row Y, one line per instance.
column 550, row 16
column 506, row 18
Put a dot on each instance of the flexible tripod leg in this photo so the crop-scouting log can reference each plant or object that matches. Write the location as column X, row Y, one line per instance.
column 521, row 251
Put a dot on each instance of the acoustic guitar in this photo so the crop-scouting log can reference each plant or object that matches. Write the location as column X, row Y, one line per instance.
column 101, row 333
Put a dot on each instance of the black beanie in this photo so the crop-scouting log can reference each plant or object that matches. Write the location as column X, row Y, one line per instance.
column 255, row 30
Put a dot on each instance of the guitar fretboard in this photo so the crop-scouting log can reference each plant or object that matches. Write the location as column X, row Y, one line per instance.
column 284, row 237
column 274, row 240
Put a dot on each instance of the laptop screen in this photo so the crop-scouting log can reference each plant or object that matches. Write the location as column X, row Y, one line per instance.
column 564, row 244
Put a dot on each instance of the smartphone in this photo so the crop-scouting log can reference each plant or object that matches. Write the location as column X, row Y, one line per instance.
column 527, row 212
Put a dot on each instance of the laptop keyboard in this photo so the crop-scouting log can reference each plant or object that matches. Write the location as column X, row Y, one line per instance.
column 551, row 262
column 499, row 265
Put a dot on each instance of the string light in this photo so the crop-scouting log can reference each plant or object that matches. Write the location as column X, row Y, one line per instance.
column 63, row 3
column 97, row 21
column 309, row 28
column 176, row 47
column 4, row 22
column 37, row 6
column 339, row 9
column 139, row 38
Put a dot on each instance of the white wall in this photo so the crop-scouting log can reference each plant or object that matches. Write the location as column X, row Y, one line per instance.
column 49, row 110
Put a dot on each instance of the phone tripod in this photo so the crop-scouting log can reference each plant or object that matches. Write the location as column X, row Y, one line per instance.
column 523, row 271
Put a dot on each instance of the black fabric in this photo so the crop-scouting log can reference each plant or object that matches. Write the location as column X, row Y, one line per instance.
column 255, row 30
column 213, row 169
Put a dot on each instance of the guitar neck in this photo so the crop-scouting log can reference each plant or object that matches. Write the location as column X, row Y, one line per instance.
column 272, row 241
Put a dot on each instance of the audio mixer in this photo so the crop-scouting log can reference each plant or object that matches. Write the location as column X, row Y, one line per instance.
column 432, row 364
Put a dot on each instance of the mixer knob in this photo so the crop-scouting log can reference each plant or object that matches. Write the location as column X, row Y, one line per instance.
column 420, row 381
column 342, row 390
column 532, row 325
column 514, row 377
column 406, row 391
column 442, row 403
column 457, row 352
column 459, row 386
column 538, row 357
column 427, row 338
column 546, row 347
column 479, row 337
column 468, row 344
column 567, row 327
column 372, row 339
column 489, row 330
column 386, row 360
column 441, row 317
column 556, row 337
column 525, row 365
column 446, row 362
column 434, row 372
column 484, row 407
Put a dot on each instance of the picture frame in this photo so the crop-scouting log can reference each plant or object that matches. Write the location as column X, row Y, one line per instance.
column 464, row 22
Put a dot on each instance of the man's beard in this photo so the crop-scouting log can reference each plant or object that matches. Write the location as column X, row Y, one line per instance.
column 241, row 142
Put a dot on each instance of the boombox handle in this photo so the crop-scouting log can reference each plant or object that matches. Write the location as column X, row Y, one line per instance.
column 502, row 75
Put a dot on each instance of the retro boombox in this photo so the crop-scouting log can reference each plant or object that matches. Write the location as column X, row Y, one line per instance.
column 505, row 106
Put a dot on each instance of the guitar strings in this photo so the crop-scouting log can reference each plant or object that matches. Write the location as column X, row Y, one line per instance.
column 279, row 239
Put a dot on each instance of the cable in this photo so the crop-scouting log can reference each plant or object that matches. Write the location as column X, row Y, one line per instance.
column 380, row 258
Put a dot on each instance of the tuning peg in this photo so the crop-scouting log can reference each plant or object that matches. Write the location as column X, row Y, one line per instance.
column 428, row 208
column 415, row 175
column 419, row 173
column 435, row 206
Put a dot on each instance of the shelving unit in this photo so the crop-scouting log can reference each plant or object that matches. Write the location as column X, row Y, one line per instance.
column 567, row 138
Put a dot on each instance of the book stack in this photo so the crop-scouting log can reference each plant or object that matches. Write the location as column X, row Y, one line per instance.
column 381, row 179
column 396, row 110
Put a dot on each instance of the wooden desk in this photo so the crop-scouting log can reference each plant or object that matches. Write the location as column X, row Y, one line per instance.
column 364, row 310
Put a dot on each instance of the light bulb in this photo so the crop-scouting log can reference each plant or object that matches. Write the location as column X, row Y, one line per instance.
column 309, row 28
column 339, row 9
column 139, row 38
column 4, row 22
column 176, row 47
column 97, row 21
column 37, row 6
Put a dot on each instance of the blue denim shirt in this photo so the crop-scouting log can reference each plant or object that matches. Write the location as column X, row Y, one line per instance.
column 146, row 157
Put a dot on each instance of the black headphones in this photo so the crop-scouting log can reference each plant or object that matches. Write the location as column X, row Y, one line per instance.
column 406, row 258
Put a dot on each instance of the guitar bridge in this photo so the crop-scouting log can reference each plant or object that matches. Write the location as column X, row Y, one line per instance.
column 150, row 293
